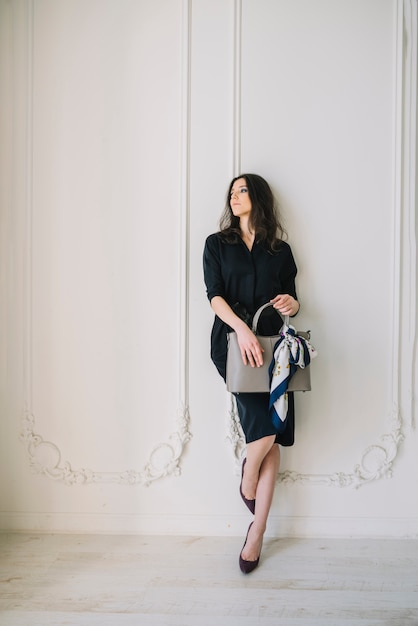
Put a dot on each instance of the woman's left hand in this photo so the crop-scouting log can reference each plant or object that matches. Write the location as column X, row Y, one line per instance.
column 285, row 304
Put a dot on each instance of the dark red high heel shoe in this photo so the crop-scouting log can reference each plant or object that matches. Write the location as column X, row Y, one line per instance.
column 249, row 503
column 247, row 567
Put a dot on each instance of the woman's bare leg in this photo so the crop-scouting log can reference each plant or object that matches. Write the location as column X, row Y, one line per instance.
column 256, row 453
column 264, row 496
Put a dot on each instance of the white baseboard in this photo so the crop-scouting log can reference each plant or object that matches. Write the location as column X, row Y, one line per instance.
column 200, row 525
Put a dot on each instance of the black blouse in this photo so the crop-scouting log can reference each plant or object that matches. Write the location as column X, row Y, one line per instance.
column 246, row 280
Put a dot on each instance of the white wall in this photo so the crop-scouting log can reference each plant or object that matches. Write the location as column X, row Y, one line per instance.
column 122, row 124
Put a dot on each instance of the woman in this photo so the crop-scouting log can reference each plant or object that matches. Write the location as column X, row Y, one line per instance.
column 247, row 264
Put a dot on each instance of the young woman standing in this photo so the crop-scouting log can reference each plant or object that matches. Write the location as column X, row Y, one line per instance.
column 246, row 264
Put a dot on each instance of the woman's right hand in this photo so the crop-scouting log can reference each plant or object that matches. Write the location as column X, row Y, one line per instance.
column 251, row 350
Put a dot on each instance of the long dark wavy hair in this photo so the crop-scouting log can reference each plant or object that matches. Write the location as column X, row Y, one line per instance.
column 264, row 217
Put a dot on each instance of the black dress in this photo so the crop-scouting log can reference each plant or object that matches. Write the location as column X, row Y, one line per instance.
column 246, row 280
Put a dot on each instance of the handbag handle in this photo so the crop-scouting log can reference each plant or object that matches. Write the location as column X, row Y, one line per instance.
column 259, row 312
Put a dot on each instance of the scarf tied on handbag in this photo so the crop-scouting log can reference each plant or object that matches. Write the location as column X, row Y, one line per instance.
column 290, row 352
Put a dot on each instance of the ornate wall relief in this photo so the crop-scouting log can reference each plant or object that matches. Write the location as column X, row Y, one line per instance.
column 141, row 80
column 377, row 459
column 49, row 457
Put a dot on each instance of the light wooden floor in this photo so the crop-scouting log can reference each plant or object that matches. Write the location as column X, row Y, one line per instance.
column 79, row 580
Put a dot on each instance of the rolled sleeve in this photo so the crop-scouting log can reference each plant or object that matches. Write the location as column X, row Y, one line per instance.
column 212, row 268
column 289, row 274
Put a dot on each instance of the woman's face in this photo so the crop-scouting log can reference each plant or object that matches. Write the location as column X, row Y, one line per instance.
column 239, row 200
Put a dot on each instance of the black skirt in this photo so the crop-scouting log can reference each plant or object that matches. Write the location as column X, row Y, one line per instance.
column 253, row 411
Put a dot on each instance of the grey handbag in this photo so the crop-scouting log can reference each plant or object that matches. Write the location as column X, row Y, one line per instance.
column 242, row 378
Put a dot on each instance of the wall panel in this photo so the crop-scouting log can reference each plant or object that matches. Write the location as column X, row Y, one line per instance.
column 105, row 206
column 319, row 119
column 123, row 124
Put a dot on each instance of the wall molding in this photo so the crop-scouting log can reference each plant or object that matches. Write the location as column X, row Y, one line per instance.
column 44, row 456
column 377, row 460
column 237, row 95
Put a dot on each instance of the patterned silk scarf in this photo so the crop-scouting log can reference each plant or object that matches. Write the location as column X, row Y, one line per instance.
column 290, row 352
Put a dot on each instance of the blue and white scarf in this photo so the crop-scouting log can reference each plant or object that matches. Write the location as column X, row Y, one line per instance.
column 290, row 352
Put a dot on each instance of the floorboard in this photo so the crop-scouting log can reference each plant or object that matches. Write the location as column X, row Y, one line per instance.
column 98, row 580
